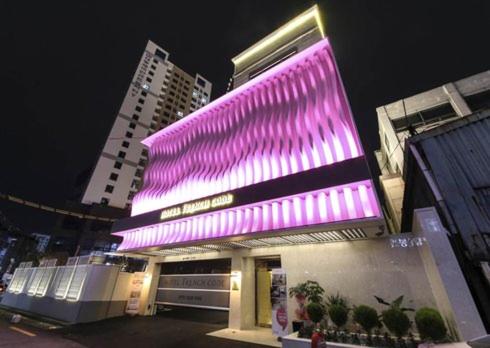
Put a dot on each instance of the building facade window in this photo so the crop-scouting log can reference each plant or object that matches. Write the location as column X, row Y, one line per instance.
column 113, row 176
column 109, row 188
column 129, row 135
column 125, row 144
column 121, row 154
column 117, row 165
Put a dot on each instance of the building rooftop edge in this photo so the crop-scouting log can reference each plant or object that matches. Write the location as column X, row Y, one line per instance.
column 196, row 114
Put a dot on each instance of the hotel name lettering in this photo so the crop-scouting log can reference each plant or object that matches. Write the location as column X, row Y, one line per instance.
column 198, row 206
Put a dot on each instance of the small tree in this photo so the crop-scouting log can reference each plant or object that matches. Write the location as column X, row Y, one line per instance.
column 316, row 312
column 367, row 317
column 430, row 324
column 338, row 309
column 394, row 318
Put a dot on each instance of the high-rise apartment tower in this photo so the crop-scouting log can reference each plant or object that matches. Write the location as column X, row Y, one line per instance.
column 160, row 93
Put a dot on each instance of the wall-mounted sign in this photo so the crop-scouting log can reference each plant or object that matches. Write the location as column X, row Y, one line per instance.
column 198, row 206
column 195, row 290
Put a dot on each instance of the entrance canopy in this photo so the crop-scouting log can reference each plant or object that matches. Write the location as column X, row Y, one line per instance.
column 279, row 153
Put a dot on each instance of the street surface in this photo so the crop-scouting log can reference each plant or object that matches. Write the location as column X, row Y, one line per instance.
column 180, row 328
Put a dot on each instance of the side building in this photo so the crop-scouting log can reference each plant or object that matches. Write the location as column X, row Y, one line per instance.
column 406, row 117
column 435, row 152
column 160, row 93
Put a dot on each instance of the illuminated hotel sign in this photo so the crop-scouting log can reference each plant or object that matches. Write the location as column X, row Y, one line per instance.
column 195, row 207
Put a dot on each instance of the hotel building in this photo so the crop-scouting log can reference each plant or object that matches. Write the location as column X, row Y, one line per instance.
column 266, row 185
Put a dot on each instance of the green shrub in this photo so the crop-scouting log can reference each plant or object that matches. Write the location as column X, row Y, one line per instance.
column 338, row 313
column 367, row 317
column 430, row 324
column 315, row 311
column 396, row 321
column 337, row 300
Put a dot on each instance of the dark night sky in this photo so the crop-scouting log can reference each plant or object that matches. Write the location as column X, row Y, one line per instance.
column 65, row 67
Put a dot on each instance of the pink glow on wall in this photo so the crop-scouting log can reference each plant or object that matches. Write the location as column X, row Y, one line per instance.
column 310, row 208
column 290, row 119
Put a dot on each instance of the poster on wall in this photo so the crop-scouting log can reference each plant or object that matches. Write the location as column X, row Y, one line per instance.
column 279, row 301
column 133, row 304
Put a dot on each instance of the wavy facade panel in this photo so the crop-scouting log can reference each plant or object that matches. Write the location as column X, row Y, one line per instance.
column 292, row 118
column 347, row 202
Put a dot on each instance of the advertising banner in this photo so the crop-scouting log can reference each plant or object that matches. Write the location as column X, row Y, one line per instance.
column 279, row 300
column 133, row 304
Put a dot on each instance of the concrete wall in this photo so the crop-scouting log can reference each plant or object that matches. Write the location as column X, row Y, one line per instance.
column 104, row 294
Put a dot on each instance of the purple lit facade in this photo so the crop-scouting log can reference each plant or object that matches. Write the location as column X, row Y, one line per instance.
column 291, row 119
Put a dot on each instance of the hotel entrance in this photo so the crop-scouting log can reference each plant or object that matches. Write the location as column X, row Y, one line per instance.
column 197, row 290
column 263, row 287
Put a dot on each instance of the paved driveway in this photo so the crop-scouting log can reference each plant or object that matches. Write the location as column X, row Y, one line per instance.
column 180, row 328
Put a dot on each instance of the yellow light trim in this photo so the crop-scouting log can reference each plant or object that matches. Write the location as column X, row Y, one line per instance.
column 286, row 29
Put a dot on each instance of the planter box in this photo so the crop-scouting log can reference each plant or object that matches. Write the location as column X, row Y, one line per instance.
column 292, row 341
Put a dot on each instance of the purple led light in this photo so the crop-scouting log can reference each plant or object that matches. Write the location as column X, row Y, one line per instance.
column 340, row 203
column 292, row 118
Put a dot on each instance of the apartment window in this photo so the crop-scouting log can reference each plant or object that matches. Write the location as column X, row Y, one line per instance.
column 142, row 162
column 138, row 173
column 186, row 88
column 144, row 152
column 136, row 117
column 117, row 165
column 167, row 106
column 138, row 108
column 131, row 195
column 129, row 135
column 171, row 93
column 121, row 154
column 113, row 176
column 109, row 188
column 151, row 73
column 160, row 54
column 201, row 82
column 125, row 144
column 132, row 125
column 149, row 79
column 155, row 61
column 175, row 81
column 187, row 82
column 141, row 101
column 104, row 201
column 143, row 93
column 153, row 67
column 166, row 114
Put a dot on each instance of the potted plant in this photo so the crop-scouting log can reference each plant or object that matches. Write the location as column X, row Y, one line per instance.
column 430, row 325
column 367, row 317
column 310, row 291
column 316, row 312
column 394, row 318
column 338, row 311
